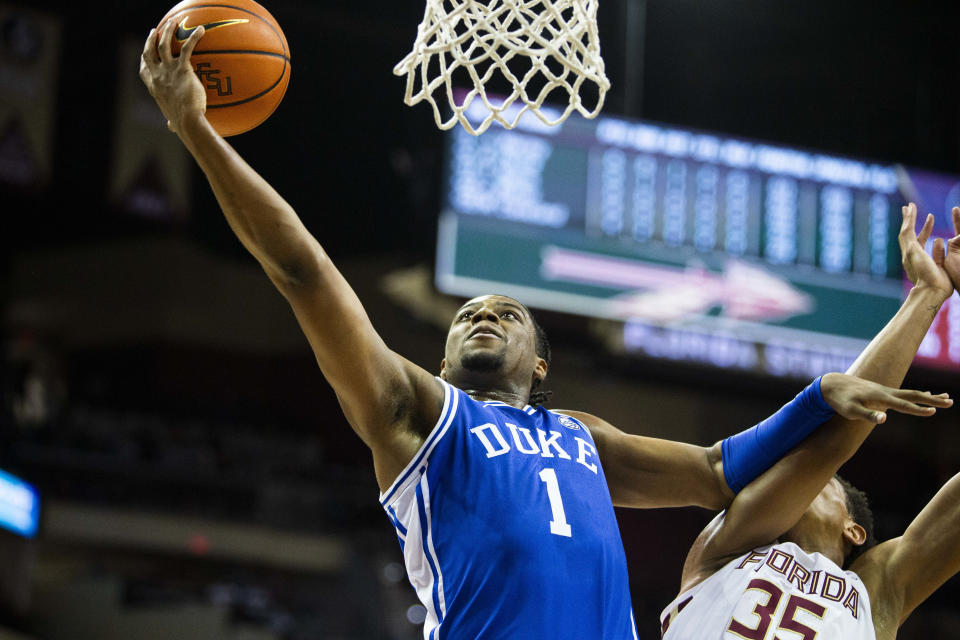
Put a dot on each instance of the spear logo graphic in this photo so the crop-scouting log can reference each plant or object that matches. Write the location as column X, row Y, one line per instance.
column 664, row 294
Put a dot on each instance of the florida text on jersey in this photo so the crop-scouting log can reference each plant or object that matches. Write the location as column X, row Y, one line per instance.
column 775, row 591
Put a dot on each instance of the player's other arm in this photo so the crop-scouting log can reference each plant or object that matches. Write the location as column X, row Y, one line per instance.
column 906, row 570
column 645, row 472
column 903, row 572
column 773, row 503
column 885, row 361
column 386, row 399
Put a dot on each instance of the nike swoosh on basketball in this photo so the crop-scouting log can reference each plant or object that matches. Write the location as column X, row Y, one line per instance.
column 183, row 31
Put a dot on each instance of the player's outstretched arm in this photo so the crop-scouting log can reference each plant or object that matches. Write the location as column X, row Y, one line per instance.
column 906, row 570
column 903, row 572
column 645, row 472
column 773, row 503
column 389, row 401
column 649, row 472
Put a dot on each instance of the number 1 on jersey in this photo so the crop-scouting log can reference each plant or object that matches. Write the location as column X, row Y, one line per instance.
column 558, row 526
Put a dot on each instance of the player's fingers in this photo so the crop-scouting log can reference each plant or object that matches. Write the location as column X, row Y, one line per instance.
column 910, row 409
column 901, row 405
column 953, row 245
column 908, row 228
column 939, row 251
column 927, row 229
column 189, row 46
column 145, row 75
column 942, row 400
column 165, row 38
column 150, row 57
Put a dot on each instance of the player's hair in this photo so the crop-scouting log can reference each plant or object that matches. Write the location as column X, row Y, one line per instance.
column 859, row 507
column 538, row 396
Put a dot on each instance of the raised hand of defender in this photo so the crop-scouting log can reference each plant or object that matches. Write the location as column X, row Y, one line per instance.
column 858, row 399
column 171, row 81
column 922, row 268
column 951, row 262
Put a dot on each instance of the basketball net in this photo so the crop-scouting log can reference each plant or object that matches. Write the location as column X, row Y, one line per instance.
column 536, row 46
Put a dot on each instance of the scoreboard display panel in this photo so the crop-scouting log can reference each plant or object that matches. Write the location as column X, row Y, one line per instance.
column 19, row 506
column 706, row 247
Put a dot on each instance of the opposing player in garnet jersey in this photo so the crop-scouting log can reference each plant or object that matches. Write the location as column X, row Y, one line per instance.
column 793, row 555
column 504, row 511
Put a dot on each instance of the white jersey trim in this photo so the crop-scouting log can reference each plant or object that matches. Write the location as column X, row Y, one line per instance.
column 419, row 557
column 425, row 490
column 450, row 401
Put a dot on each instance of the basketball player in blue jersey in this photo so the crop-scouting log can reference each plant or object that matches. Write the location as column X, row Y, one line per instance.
column 774, row 562
column 504, row 511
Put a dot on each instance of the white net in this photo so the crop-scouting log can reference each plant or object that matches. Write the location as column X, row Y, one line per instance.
column 530, row 50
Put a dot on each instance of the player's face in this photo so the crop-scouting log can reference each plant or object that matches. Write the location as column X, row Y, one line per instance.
column 491, row 335
column 824, row 521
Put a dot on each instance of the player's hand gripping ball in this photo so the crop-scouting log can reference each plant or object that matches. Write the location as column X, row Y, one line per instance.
column 242, row 60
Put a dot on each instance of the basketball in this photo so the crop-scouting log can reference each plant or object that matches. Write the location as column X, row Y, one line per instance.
column 242, row 60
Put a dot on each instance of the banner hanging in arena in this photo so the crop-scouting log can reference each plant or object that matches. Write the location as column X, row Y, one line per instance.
column 29, row 61
column 150, row 168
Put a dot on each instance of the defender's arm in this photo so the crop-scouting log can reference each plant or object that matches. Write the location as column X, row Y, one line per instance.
column 389, row 401
column 906, row 570
column 774, row 502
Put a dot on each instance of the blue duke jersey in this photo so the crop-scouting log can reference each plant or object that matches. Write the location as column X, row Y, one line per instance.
column 507, row 527
column 779, row 591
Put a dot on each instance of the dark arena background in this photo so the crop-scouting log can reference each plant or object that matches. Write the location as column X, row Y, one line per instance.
column 188, row 471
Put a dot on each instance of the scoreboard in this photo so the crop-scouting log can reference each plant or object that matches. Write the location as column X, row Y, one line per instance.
column 701, row 246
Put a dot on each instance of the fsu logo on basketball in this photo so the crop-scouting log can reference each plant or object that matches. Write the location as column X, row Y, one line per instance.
column 240, row 38
column 211, row 79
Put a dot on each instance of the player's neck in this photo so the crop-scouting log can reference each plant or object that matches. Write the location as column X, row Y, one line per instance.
column 498, row 395
column 490, row 386
column 811, row 544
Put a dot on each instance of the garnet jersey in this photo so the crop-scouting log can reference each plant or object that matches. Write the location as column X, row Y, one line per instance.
column 778, row 591
column 507, row 527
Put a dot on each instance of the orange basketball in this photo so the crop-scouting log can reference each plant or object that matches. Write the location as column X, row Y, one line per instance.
column 242, row 59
